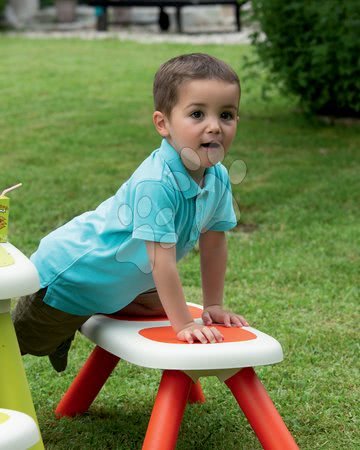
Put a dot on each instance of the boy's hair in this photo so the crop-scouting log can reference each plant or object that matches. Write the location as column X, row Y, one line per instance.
column 194, row 66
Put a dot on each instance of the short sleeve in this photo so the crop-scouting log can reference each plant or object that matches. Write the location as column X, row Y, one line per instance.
column 154, row 213
column 224, row 218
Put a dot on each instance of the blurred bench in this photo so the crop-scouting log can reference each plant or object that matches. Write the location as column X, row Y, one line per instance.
column 164, row 22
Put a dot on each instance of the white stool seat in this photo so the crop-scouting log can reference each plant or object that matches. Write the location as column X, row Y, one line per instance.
column 133, row 341
column 18, row 431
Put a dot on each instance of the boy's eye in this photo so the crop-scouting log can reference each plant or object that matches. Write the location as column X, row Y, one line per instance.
column 197, row 115
column 227, row 115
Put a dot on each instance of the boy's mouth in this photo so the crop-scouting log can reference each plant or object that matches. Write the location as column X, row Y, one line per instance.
column 210, row 145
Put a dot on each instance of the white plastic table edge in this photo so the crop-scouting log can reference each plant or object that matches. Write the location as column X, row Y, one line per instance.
column 20, row 278
column 9, row 430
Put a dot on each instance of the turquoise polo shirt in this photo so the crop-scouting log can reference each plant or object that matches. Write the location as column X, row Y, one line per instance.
column 98, row 261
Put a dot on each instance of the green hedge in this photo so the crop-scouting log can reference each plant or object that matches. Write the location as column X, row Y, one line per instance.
column 44, row 3
column 2, row 7
column 312, row 47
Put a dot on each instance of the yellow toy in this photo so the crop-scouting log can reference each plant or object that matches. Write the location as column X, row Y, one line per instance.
column 18, row 277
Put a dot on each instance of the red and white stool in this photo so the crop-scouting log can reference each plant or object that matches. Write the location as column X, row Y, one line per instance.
column 151, row 342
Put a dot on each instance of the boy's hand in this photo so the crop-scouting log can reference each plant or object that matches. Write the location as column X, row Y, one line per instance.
column 196, row 332
column 215, row 314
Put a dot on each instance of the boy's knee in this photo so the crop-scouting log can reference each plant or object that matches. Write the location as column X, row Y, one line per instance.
column 151, row 301
column 145, row 304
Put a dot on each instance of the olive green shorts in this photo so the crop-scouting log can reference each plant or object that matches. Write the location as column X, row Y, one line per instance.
column 40, row 328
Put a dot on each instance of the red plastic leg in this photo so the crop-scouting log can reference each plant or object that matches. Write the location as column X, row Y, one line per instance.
column 168, row 411
column 87, row 383
column 260, row 411
column 196, row 394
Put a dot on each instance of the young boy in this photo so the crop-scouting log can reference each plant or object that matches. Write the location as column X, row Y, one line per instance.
column 123, row 255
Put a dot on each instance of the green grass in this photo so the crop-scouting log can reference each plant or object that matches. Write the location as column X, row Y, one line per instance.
column 75, row 121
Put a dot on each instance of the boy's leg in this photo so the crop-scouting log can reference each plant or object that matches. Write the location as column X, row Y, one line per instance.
column 44, row 330
column 146, row 304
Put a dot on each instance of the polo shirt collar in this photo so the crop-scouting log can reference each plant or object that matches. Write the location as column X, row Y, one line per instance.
column 185, row 183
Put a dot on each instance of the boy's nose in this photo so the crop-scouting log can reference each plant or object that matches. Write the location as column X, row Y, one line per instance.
column 213, row 126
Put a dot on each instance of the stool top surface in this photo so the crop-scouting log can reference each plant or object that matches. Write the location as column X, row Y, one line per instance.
column 152, row 343
column 18, row 275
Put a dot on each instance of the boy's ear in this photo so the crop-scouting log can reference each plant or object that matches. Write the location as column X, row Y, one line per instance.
column 160, row 123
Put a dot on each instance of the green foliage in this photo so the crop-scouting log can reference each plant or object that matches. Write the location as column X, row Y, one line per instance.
column 2, row 7
column 44, row 3
column 313, row 49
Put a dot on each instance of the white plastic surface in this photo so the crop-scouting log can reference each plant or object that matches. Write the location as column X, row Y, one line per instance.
column 18, row 432
column 122, row 338
column 20, row 278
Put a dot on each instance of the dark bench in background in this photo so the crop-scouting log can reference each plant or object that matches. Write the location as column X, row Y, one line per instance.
column 102, row 18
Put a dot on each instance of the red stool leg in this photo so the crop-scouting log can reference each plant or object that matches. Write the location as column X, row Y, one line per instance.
column 196, row 394
column 168, row 411
column 87, row 383
column 260, row 411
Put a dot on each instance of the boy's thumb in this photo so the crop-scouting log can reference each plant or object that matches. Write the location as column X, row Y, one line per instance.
column 206, row 318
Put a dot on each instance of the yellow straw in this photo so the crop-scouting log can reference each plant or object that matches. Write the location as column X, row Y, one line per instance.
column 10, row 189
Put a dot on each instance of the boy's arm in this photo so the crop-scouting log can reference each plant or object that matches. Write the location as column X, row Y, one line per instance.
column 163, row 261
column 213, row 259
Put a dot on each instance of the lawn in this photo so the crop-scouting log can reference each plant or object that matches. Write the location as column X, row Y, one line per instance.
column 75, row 120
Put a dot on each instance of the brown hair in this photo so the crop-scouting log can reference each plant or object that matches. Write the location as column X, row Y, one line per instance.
column 194, row 66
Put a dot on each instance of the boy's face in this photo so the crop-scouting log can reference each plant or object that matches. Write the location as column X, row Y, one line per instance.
column 203, row 123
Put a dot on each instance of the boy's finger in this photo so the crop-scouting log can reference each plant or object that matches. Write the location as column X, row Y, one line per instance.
column 243, row 321
column 209, row 335
column 199, row 336
column 218, row 336
column 206, row 318
column 227, row 320
column 236, row 321
column 188, row 337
